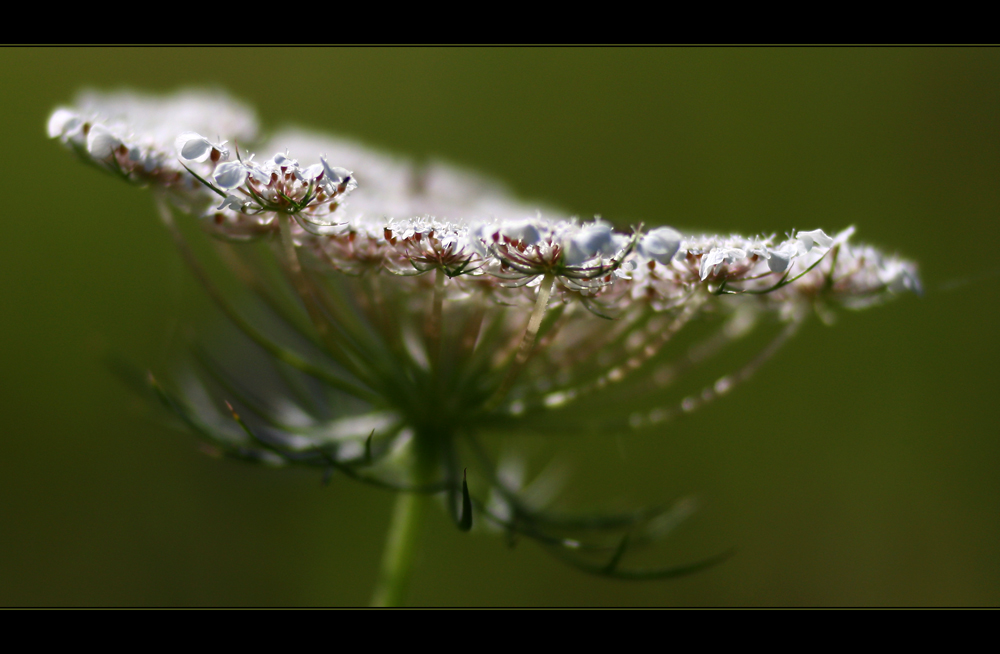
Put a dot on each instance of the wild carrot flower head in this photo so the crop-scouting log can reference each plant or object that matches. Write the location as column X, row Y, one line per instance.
column 412, row 309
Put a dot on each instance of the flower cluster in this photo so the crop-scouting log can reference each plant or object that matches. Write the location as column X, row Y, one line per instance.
column 431, row 307
column 134, row 135
column 254, row 194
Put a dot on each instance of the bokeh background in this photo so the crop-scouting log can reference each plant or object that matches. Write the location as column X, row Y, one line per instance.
column 860, row 467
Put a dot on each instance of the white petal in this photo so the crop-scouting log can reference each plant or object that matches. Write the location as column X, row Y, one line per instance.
column 811, row 239
column 233, row 202
column 101, row 143
column 281, row 161
column 230, row 175
column 718, row 256
column 479, row 239
column 62, row 122
column 660, row 244
column 843, row 236
column 312, row 172
column 258, row 173
column 193, row 147
column 521, row 230
column 779, row 259
column 334, row 174
column 899, row 278
column 588, row 242
column 710, row 261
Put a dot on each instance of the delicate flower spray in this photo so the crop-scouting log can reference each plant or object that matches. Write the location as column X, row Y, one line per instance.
column 408, row 312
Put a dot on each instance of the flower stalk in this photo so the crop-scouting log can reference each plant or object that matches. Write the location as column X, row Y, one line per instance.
column 429, row 451
column 401, row 548
column 527, row 343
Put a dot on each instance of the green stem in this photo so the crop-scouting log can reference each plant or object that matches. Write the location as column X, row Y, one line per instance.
column 400, row 549
column 434, row 323
column 406, row 523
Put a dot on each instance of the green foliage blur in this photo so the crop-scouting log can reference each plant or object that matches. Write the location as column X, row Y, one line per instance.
column 860, row 466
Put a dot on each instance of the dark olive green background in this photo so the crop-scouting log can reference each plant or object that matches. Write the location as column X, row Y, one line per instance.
column 860, row 467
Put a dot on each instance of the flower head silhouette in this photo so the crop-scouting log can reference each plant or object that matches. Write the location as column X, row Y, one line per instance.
column 403, row 311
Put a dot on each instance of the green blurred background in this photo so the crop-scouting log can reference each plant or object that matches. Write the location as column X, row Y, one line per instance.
column 860, row 467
